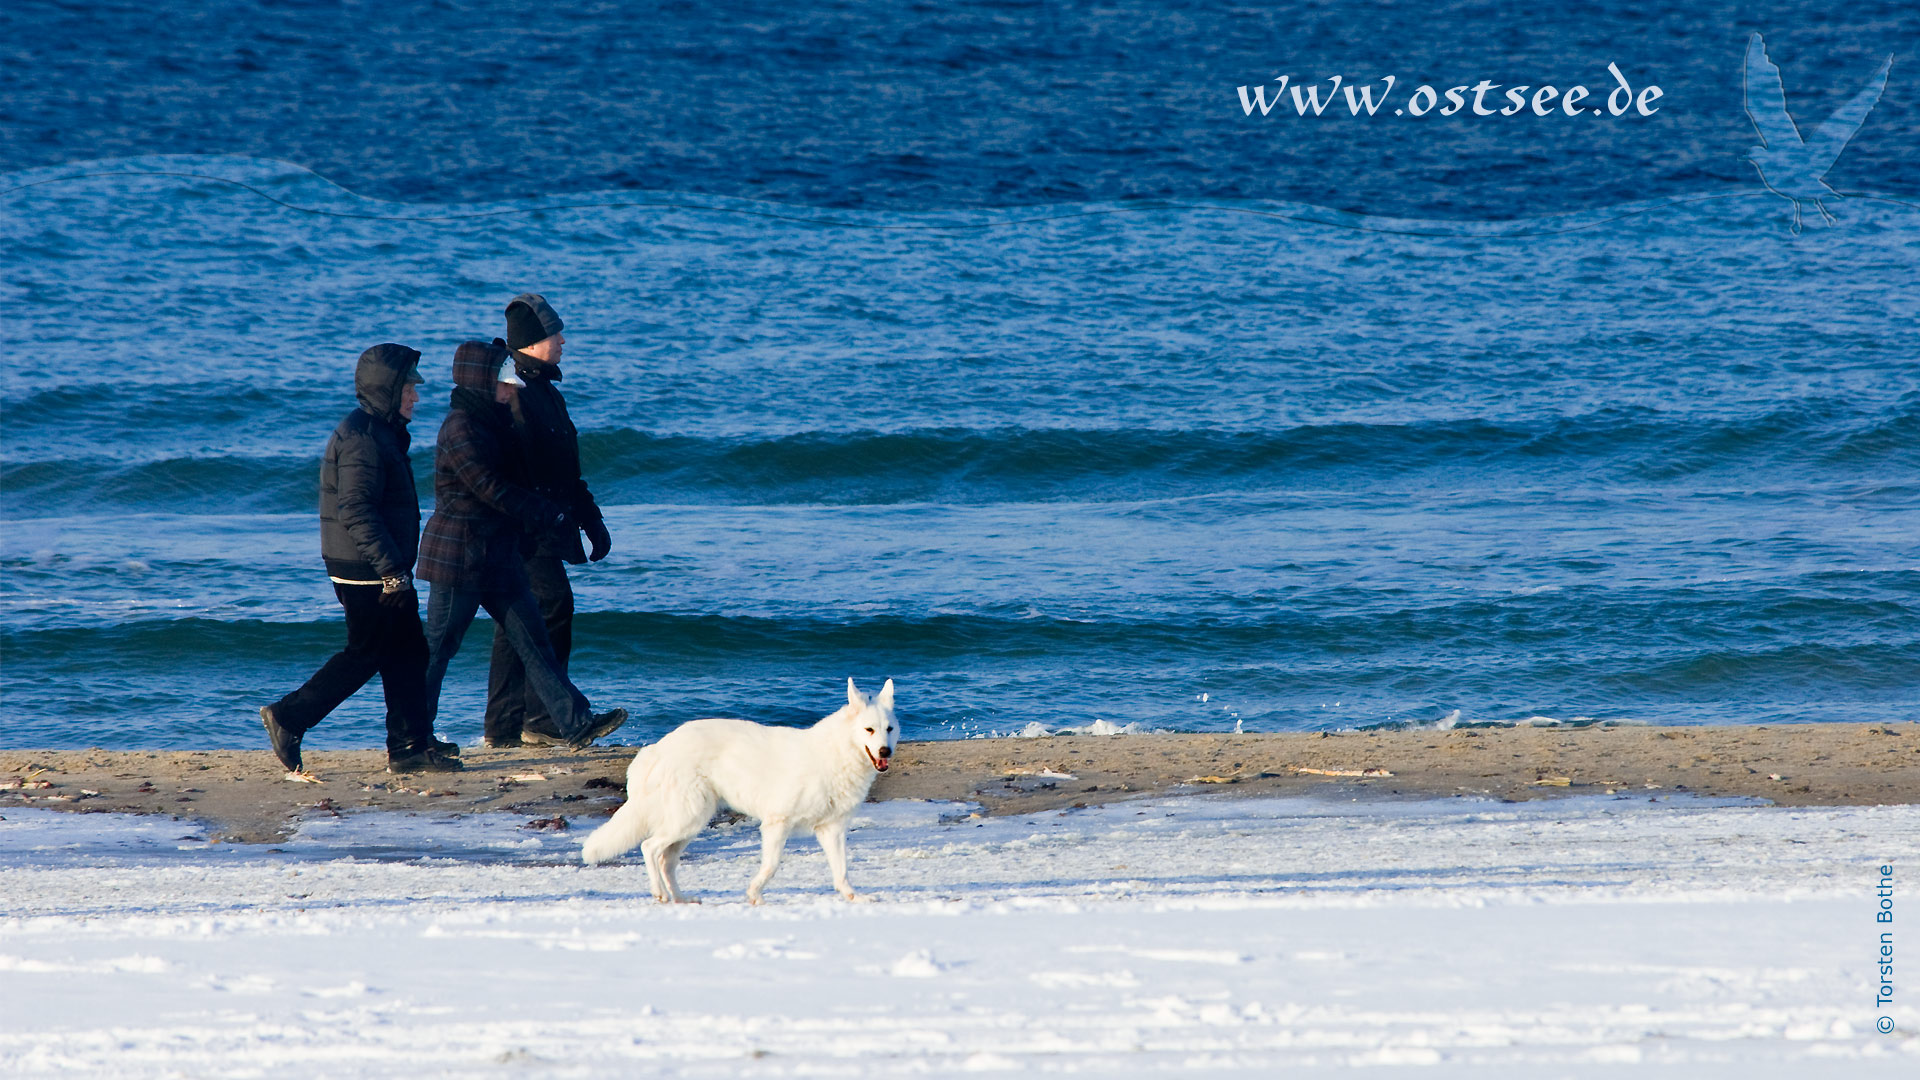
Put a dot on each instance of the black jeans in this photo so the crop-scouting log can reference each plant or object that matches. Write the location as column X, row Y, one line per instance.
column 450, row 612
column 381, row 641
column 511, row 700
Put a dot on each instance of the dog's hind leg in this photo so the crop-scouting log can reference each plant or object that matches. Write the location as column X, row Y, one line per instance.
column 670, row 868
column 654, row 850
column 773, row 840
column 833, row 841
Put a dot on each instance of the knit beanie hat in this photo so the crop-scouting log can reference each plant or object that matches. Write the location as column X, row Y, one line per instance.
column 530, row 320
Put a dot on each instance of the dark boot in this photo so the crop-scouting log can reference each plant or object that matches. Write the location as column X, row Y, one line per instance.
column 286, row 743
column 599, row 724
column 427, row 760
column 541, row 732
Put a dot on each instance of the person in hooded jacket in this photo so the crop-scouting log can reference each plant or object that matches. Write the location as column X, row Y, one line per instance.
column 369, row 535
column 472, row 551
column 551, row 461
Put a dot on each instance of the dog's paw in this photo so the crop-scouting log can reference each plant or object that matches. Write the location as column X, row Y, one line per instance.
column 852, row 897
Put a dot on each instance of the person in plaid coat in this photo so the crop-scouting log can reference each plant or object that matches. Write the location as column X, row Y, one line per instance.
column 471, row 552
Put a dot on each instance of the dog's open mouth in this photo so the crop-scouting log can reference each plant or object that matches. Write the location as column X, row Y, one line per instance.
column 879, row 763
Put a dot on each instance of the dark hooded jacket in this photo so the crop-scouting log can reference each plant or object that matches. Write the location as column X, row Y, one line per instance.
column 482, row 507
column 369, row 509
column 552, row 446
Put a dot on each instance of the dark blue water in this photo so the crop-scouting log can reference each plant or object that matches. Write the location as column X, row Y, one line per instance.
column 909, row 106
column 1197, row 428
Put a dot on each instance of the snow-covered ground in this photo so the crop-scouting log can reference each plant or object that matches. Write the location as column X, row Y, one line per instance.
column 1562, row 938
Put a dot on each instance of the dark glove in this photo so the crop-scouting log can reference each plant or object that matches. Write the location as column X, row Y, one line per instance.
column 397, row 592
column 596, row 531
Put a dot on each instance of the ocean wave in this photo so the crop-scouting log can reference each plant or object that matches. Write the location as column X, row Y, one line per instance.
column 1680, row 643
column 1455, row 719
column 199, row 682
column 297, row 189
column 212, row 485
column 971, row 466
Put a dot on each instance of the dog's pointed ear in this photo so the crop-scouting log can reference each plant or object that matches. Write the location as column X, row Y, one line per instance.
column 853, row 694
column 885, row 697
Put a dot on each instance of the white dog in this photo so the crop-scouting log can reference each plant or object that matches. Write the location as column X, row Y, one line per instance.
column 789, row 778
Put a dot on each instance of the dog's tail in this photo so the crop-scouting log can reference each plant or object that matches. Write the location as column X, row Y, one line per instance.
column 629, row 825
column 619, row 835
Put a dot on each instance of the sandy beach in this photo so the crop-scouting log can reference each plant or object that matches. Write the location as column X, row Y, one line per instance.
column 242, row 796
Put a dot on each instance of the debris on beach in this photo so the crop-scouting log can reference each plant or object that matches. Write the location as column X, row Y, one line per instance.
column 552, row 824
column 300, row 776
column 1552, row 781
column 1341, row 772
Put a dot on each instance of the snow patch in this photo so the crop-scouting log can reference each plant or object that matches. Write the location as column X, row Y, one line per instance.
column 1256, row 936
column 918, row 964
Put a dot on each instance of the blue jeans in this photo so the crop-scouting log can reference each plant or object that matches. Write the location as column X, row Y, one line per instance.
column 450, row 612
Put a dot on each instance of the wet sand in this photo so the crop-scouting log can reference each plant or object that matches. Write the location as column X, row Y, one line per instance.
column 242, row 796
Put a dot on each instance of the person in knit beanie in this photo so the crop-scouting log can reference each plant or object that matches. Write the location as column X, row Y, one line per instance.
column 551, row 448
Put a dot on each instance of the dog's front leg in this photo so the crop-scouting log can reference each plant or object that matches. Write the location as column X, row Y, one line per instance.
column 833, row 841
column 773, row 839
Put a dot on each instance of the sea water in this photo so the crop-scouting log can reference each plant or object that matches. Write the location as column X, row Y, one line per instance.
column 1183, row 460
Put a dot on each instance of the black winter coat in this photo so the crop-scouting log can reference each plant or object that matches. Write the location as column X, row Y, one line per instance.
column 369, row 509
column 552, row 447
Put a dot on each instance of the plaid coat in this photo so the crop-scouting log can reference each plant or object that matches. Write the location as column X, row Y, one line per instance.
column 481, row 510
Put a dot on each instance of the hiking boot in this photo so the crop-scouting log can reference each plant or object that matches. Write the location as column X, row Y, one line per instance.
column 541, row 732
column 448, row 749
column 598, row 725
column 286, row 744
column 502, row 742
column 427, row 760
